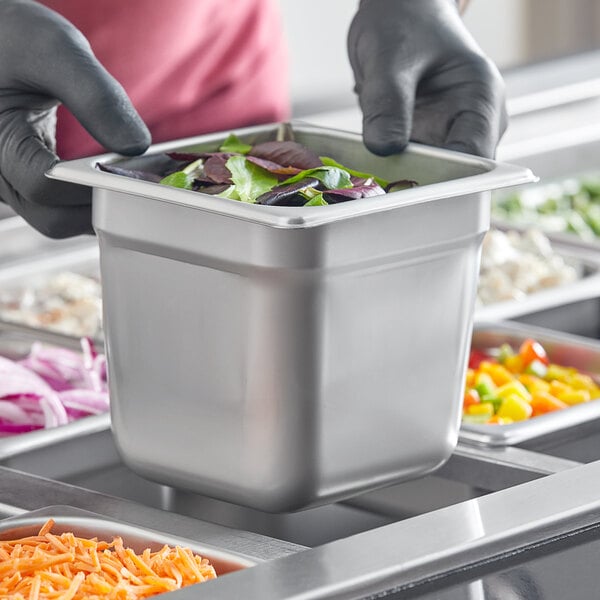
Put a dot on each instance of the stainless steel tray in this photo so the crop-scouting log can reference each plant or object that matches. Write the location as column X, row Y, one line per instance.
column 566, row 156
column 88, row 524
column 276, row 355
column 19, row 242
column 33, row 273
column 15, row 343
column 583, row 289
column 565, row 349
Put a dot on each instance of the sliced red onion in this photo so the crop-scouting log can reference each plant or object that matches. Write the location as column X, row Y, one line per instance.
column 90, row 400
column 12, row 429
column 89, row 352
column 51, row 387
column 13, row 413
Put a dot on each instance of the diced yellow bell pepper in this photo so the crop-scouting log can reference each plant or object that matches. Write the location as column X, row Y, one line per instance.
column 575, row 396
column 514, row 363
column 515, row 387
column 558, row 373
column 499, row 374
column 582, row 382
column 485, row 408
column 515, row 408
column 534, row 384
column 470, row 379
column 496, row 420
column 558, row 387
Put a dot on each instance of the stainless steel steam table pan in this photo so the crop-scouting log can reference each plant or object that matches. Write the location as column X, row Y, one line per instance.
column 270, row 356
column 19, row 242
column 585, row 288
column 46, row 306
column 88, row 524
column 15, row 343
column 564, row 349
column 568, row 156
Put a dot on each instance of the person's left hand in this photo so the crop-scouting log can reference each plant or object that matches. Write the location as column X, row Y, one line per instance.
column 420, row 75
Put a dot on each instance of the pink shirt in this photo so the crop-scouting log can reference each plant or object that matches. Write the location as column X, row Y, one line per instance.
column 189, row 66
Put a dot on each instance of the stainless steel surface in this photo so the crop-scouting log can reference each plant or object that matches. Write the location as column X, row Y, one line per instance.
column 15, row 343
column 378, row 563
column 19, row 242
column 21, row 492
column 563, row 349
column 287, row 340
column 499, row 468
column 588, row 287
column 90, row 525
column 81, row 260
column 578, row 318
column 92, row 462
column 398, row 557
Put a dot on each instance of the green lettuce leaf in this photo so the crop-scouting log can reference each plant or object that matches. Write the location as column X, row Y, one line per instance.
column 183, row 179
column 249, row 179
column 330, row 162
column 317, row 200
column 234, row 144
column 179, row 179
column 230, row 193
column 333, row 178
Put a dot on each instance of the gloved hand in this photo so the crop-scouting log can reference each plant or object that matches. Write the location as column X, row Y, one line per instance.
column 421, row 76
column 45, row 60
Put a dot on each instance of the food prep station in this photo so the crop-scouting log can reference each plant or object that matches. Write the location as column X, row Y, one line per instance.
column 512, row 509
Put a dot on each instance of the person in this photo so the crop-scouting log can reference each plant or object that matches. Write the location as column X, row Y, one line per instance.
column 200, row 65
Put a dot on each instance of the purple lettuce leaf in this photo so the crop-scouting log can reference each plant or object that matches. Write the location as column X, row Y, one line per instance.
column 288, row 154
column 363, row 188
column 273, row 167
column 215, row 168
column 287, row 195
column 201, row 185
column 401, row 184
column 135, row 173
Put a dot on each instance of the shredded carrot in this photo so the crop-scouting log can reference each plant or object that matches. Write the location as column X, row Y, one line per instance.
column 65, row 567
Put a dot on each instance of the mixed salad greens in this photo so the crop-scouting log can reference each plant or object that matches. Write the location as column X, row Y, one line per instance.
column 274, row 173
column 571, row 206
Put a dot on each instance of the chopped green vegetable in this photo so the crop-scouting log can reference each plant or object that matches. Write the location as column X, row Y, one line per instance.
column 235, row 145
column 230, row 193
column 330, row 162
column 333, row 178
column 504, row 352
column 179, row 179
column 183, row 179
column 250, row 180
column 317, row 200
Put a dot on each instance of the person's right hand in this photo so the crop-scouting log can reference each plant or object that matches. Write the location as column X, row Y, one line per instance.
column 45, row 60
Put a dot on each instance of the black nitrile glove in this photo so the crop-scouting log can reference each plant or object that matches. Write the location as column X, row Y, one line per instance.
column 421, row 76
column 44, row 60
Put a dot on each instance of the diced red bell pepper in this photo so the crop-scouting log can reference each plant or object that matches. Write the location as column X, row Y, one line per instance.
column 476, row 357
column 531, row 350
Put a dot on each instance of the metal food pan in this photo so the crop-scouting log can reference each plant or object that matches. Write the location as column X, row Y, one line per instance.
column 37, row 271
column 563, row 349
column 581, row 317
column 585, row 288
column 20, row 242
column 265, row 346
column 569, row 156
column 88, row 524
column 15, row 343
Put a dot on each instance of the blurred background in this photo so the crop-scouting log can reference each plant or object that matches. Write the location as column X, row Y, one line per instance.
column 512, row 32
